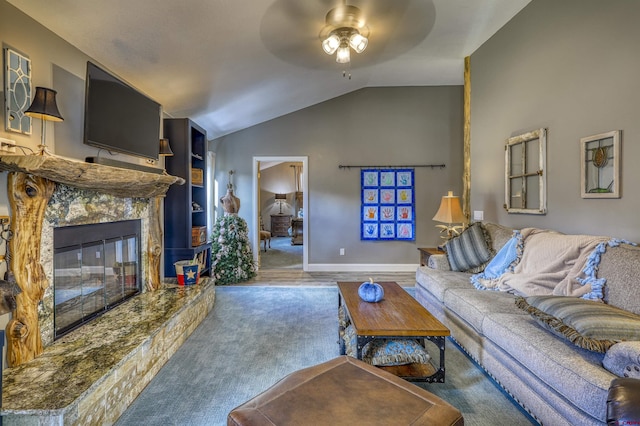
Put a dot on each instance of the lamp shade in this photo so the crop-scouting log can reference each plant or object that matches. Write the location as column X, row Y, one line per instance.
column 343, row 56
column 450, row 210
column 331, row 44
column 358, row 42
column 44, row 105
column 281, row 196
column 165, row 148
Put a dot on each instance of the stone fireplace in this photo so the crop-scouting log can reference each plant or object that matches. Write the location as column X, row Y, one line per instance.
column 47, row 192
column 91, row 374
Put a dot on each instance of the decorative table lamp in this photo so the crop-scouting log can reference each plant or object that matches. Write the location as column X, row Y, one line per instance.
column 45, row 108
column 450, row 212
column 279, row 198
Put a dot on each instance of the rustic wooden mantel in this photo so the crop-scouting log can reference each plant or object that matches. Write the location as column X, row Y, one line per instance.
column 30, row 185
column 123, row 183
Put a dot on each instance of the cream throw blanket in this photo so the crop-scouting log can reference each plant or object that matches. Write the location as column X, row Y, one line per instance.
column 549, row 263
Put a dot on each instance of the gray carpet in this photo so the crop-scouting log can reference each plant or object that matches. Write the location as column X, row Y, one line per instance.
column 281, row 255
column 256, row 335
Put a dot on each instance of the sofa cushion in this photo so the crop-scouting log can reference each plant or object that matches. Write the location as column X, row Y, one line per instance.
column 620, row 267
column 469, row 251
column 473, row 305
column 588, row 324
column 498, row 234
column 573, row 373
column 437, row 282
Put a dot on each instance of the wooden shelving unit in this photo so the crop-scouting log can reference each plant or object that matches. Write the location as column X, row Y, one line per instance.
column 185, row 206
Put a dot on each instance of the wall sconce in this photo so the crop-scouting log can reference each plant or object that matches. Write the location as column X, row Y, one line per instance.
column 279, row 198
column 45, row 108
column 450, row 212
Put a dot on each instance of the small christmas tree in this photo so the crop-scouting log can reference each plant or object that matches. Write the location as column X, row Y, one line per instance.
column 232, row 258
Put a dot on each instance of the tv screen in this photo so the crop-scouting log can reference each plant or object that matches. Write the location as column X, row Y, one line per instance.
column 119, row 118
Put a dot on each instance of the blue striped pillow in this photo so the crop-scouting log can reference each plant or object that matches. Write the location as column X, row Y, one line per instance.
column 468, row 251
column 591, row 325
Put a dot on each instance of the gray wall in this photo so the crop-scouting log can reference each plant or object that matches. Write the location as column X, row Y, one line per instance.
column 58, row 65
column 570, row 66
column 374, row 126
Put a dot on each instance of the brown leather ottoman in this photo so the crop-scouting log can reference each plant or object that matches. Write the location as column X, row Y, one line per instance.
column 344, row 391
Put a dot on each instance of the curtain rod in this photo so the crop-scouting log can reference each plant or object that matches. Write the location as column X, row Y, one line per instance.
column 442, row 166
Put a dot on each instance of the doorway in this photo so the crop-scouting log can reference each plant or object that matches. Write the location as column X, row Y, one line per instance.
column 280, row 191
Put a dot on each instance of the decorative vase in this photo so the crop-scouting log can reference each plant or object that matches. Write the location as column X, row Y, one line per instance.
column 371, row 292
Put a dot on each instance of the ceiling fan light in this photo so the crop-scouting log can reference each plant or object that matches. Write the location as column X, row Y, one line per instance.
column 331, row 44
column 343, row 56
column 358, row 42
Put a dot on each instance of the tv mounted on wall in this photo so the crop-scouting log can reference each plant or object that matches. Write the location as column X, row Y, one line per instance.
column 119, row 118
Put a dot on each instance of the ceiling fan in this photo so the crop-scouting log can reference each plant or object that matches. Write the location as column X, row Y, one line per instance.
column 306, row 33
column 345, row 29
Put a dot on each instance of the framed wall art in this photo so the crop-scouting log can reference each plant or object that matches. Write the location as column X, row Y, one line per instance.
column 600, row 165
column 388, row 204
column 17, row 91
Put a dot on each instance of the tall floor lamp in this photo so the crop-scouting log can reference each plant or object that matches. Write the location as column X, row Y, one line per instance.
column 45, row 108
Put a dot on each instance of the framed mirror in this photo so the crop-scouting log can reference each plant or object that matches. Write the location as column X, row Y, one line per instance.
column 525, row 175
column 17, row 91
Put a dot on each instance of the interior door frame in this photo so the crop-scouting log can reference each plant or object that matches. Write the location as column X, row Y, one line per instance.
column 255, row 243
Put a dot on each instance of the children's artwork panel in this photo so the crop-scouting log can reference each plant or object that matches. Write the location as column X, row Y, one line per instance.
column 388, row 204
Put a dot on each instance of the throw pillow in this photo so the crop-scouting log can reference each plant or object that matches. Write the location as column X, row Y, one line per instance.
column 469, row 251
column 591, row 325
column 386, row 352
column 499, row 264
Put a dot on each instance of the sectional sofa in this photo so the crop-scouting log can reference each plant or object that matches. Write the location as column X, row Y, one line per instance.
column 554, row 318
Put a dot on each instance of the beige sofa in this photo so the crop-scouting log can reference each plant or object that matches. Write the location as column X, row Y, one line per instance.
column 536, row 360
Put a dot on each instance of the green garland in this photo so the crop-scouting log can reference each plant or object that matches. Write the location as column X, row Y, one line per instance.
column 231, row 256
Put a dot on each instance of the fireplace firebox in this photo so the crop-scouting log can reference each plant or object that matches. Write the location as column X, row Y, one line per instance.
column 96, row 267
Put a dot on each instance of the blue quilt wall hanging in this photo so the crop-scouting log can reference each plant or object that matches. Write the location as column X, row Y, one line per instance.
column 388, row 204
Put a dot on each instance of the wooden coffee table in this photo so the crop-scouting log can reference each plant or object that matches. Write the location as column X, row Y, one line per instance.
column 396, row 316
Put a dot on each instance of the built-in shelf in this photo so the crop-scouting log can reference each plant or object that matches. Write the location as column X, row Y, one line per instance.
column 189, row 145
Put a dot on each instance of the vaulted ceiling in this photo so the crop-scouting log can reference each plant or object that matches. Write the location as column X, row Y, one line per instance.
column 230, row 64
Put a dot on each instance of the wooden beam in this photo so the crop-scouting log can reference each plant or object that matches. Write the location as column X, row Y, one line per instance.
column 154, row 245
column 28, row 197
column 466, row 173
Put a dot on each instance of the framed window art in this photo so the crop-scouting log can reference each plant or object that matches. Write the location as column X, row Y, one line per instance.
column 388, row 204
column 600, row 165
column 525, row 175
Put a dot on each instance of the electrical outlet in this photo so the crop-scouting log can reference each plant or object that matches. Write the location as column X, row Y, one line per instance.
column 478, row 215
column 7, row 145
column 341, row 252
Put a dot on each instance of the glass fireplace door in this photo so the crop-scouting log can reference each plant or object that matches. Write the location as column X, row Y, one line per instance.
column 91, row 277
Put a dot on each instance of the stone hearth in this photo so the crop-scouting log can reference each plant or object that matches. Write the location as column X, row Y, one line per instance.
column 94, row 373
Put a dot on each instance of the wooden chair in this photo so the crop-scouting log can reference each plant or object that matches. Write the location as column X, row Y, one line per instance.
column 265, row 236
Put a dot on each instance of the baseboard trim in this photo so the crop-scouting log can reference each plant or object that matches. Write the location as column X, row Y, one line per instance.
column 362, row 267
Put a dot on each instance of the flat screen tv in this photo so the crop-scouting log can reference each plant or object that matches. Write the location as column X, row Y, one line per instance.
column 119, row 118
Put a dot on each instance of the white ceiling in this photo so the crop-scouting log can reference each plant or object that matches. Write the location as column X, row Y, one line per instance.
column 231, row 64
